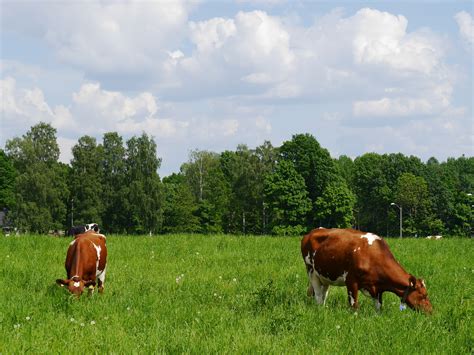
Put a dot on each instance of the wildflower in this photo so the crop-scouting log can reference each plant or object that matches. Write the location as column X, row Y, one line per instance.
column 220, row 277
column 235, row 280
column 28, row 318
column 215, row 294
column 92, row 322
column 82, row 324
column 128, row 308
column 338, row 327
column 16, row 326
column 72, row 320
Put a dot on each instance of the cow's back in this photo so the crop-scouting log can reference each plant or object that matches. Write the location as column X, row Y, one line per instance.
column 335, row 252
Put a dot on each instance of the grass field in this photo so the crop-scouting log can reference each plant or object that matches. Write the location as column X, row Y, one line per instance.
column 209, row 294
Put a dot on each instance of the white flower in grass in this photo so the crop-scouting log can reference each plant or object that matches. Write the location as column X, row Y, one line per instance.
column 82, row 324
column 220, row 277
column 338, row 327
column 234, row 279
column 28, row 318
column 16, row 326
column 72, row 320
column 215, row 294
column 92, row 322
column 128, row 308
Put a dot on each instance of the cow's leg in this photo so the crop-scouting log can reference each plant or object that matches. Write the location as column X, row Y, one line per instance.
column 378, row 302
column 352, row 294
column 101, row 280
column 377, row 297
column 320, row 291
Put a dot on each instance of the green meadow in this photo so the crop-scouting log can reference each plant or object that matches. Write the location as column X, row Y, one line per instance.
column 225, row 294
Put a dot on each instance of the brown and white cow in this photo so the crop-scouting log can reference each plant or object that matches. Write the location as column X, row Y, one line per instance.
column 86, row 261
column 361, row 262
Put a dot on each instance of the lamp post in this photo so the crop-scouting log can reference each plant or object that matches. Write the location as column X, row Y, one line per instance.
column 401, row 217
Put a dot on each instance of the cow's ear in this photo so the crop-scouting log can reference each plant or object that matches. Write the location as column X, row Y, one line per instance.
column 412, row 281
column 62, row 282
column 89, row 283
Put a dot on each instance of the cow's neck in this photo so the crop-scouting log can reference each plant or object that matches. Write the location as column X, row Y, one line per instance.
column 398, row 279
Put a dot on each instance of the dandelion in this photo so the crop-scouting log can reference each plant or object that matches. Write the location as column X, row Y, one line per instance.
column 92, row 322
column 72, row 320
column 28, row 318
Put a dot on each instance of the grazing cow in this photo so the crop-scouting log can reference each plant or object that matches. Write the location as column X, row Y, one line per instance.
column 361, row 262
column 86, row 261
column 76, row 230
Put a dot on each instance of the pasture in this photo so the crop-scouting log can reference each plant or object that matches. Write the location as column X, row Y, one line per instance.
column 225, row 294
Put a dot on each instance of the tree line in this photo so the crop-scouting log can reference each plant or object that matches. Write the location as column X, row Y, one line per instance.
column 284, row 190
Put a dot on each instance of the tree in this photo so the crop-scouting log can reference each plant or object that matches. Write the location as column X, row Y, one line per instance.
column 86, row 181
column 243, row 172
column 179, row 206
column 287, row 199
column 115, row 188
column 334, row 207
column 144, row 186
column 7, row 181
column 40, row 186
column 206, row 179
column 412, row 194
column 313, row 163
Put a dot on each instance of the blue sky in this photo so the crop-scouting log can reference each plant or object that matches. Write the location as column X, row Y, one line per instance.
column 374, row 76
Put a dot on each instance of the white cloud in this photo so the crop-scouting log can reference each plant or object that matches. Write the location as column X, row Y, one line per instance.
column 106, row 36
column 466, row 26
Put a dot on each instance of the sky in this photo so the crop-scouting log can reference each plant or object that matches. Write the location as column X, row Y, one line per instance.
column 373, row 76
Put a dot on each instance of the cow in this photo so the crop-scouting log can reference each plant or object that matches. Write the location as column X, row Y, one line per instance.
column 361, row 262
column 76, row 230
column 86, row 261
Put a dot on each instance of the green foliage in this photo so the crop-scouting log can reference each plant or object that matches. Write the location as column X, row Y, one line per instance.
column 286, row 198
column 237, row 295
column 144, row 199
column 40, row 185
column 7, row 181
column 204, row 175
column 114, row 183
column 86, row 181
column 179, row 206
column 334, row 207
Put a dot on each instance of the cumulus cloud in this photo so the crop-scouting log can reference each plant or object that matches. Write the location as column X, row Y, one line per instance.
column 466, row 26
column 103, row 37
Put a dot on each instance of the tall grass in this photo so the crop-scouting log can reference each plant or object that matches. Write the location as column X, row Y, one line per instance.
column 207, row 294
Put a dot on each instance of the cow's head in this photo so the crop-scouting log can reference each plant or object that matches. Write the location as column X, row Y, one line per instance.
column 417, row 295
column 92, row 226
column 75, row 285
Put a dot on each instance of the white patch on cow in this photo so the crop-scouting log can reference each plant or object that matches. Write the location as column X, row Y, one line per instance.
column 355, row 250
column 77, row 284
column 370, row 237
column 340, row 281
column 72, row 242
column 320, row 290
column 423, row 283
column 97, row 249
column 307, row 259
column 352, row 300
column 101, row 274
